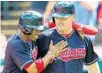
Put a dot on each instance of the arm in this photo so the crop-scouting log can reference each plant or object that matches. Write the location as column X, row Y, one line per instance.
column 46, row 59
column 94, row 68
column 100, row 21
column 86, row 29
column 87, row 5
column 91, row 57
column 48, row 9
column 54, row 51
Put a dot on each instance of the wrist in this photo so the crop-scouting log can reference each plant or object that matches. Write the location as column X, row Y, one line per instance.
column 51, row 53
column 52, row 56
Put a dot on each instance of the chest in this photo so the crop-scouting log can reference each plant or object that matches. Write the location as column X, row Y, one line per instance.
column 33, row 51
column 75, row 50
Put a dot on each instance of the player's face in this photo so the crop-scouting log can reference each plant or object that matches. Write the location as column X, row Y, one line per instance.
column 35, row 34
column 62, row 23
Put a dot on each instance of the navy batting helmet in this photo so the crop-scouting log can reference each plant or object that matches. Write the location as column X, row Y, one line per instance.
column 31, row 20
column 63, row 9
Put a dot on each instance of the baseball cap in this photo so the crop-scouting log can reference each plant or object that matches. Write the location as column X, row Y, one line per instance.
column 63, row 9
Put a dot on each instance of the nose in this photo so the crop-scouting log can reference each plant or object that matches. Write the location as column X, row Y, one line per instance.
column 60, row 19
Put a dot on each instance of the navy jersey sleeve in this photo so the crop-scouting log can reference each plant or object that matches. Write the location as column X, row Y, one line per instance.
column 20, row 54
column 91, row 57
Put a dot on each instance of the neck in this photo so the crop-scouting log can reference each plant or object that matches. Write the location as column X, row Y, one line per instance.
column 64, row 32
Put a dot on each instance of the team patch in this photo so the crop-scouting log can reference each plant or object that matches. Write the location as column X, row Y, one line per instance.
column 71, row 54
column 34, row 53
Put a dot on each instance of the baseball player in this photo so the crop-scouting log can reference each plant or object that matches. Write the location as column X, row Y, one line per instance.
column 21, row 54
column 80, row 49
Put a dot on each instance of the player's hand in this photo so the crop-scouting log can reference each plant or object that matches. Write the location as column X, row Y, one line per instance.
column 58, row 48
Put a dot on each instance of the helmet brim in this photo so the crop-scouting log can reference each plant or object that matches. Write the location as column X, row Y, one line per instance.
column 61, row 15
column 40, row 27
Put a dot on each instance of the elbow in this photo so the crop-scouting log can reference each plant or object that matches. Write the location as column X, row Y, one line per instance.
column 31, row 68
column 31, row 71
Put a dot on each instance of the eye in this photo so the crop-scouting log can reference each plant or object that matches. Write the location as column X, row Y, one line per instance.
column 57, row 19
column 65, row 19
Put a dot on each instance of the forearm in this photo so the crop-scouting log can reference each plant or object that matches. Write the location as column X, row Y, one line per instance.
column 48, row 9
column 47, row 58
column 39, row 64
column 94, row 68
column 86, row 5
column 86, row 29
column 90, row 30
column 100, row 20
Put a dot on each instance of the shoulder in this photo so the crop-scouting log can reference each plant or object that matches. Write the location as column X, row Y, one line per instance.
column 14, row 42
column 45, row 36
column 87, row 40
column 83, row 37
column 46, row 33
column 79, row 33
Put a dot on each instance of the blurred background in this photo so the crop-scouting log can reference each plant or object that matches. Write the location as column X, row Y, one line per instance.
column 11, row 10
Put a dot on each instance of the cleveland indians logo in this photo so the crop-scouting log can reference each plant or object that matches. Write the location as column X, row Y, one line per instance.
column 59, row 9
column 34, row 53
column 71, row 54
